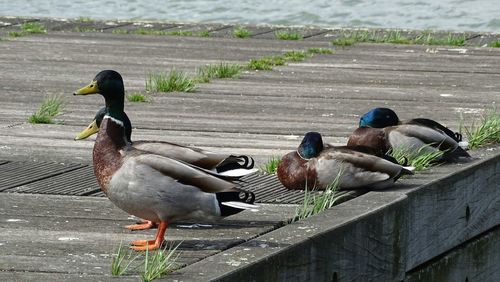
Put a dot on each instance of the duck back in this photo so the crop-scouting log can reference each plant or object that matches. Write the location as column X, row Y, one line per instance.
column 374, row 138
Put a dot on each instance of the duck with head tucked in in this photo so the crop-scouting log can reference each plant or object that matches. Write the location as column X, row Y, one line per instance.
column 315, row 166
column 384, row 117
column 382, row 130
column 152, row 186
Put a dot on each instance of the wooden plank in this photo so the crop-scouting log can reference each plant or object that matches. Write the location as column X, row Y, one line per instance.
column 446, row 218
column 59, row 277
column 477, row 260
column 14, row 174
column 78, row 235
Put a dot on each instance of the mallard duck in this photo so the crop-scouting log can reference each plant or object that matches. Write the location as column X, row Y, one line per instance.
column 384, row 117
column 315, row 166
column 381, row 130
column 151, row 186
column 219, row 163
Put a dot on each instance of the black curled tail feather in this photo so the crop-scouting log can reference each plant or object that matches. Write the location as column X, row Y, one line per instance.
column 235, row 162
column 404, row 171
column 239, row 196
column 456, row 155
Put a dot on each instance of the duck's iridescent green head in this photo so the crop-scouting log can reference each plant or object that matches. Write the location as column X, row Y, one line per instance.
column 311, row 145
column 109, row 84
column 379, row 118
column 94, row 126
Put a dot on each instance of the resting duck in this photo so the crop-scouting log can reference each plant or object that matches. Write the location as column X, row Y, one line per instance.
column 384, row 117
column 381, row 130
column 151, row 186
column 315, row 166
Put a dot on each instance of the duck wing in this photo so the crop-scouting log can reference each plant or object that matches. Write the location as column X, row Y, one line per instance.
column 186, row 173
column 426, row 135
column 196, row 156
column 437, row 126
column 418, row 137
column 358, row 169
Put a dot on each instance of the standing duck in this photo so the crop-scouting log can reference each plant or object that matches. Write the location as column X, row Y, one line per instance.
column 381, row 130
column 315, row 166
column 219, row 163
column 151, row 186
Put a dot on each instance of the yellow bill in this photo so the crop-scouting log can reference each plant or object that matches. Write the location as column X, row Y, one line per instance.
column 90, row 130
column 92, row 88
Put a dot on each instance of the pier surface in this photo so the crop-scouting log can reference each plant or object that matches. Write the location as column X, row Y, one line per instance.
column 71, row 233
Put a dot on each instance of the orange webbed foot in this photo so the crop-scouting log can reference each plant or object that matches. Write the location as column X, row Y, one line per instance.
column 143, row 225
column 143, row 245
column 143, row 242
column 150, row 245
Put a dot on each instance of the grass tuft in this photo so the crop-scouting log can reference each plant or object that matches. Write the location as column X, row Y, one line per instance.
column 29, row 28
column 315, row 203
column 486, row 132
column 221, row 70
column 360, row 36
column 266, row 63
column 138, row 97
column 288, row 35
column 120, row 31
column 159, row 263
column 51, row 107
column 188, row 33
column 121, row 261
column 495, row 44
column 84, row 19
column 428, row 38
column 295, row 56
column 271, row 166
column 418, row 159
column 85, row 29
column 396, row 37
column 319, row 51
column 344, row 41
column 241, row 32
column 149, row 31
column 173, row 81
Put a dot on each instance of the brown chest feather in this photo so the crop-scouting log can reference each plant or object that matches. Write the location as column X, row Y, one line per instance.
column 295, row 173
column 107, row 158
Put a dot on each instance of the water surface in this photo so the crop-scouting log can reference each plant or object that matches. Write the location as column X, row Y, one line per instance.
column 457, row 15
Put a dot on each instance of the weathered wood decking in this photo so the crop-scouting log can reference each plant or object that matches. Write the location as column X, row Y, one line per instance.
column 262, row 113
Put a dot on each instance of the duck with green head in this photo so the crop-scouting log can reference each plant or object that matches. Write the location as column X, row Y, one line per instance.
column 381, row 129
column 315, row 166
column 220, row 163
column 151, row 186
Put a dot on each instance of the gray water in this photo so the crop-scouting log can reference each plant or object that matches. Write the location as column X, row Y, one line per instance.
column 456, row 15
